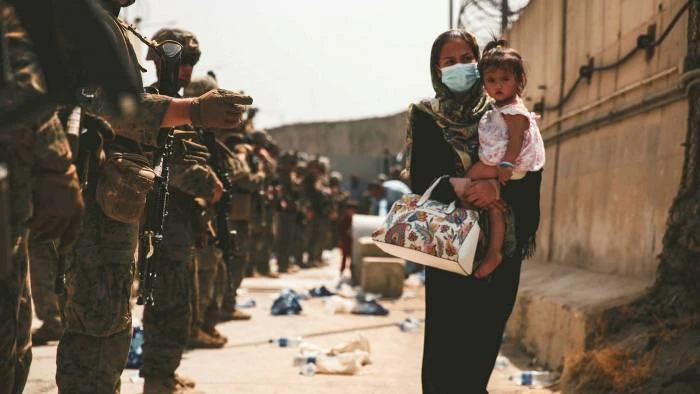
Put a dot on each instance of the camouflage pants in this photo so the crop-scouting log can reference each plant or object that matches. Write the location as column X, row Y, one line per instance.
column 166, row 325
column 15, row 322
column 15, row 294
column 210, row 266
column 260, row 248
column 43, row 259
column 242, row 260
column 287, row 228
column 318, row 231
column 299, row 241
column 96, row 311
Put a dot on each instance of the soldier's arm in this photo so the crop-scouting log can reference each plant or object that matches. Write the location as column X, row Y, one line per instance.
column 144, row 125
column 196, row 180
column 23, row 83
column 23, row 91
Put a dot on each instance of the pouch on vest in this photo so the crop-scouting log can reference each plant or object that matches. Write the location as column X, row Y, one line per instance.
column 123, row 185
column 241, row 207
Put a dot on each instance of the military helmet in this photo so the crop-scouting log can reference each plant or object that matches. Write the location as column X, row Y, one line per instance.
column 337, row 176
column 259, row 137
column 200, row 85
column 189, row 42
column 335, row 179
column 288, row 158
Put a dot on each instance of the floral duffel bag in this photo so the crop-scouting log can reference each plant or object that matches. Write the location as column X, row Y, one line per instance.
column 431, row 233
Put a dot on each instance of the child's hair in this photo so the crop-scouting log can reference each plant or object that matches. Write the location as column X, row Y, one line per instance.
column 497, row 54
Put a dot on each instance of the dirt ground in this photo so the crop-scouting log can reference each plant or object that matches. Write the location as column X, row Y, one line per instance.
column 248, row 364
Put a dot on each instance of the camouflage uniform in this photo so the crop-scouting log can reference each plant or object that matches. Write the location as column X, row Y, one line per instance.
column 210, row 266
column 209, row 261
column 301, row 228
column 288, row 214
column 244, row 186
column 43, row 257
column 318, row 204
column 36, row 146
column 100, row 270
column 167, row 323
column 262, row 219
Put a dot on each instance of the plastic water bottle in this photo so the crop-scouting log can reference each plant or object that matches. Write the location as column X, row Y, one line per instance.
column 135, row 348
column 308, row 369
column 301, row 360
column 410, row 324
column 529, row 378
column 502, row 362
column 287, row 341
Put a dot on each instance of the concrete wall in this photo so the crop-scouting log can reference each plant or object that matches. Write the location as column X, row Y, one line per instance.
column 607, row 190
column 354, row 146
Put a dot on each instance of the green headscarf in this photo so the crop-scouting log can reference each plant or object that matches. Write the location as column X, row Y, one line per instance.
column 458, row 120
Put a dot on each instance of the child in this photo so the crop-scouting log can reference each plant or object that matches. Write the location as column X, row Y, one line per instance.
column 345, row 230
column 510, row 143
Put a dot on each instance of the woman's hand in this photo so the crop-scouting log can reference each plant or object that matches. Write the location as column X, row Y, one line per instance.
column 504, row 174
column 460, row 186
column 483, row 194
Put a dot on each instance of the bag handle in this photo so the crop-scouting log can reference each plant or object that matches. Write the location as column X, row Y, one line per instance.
column 428, row 192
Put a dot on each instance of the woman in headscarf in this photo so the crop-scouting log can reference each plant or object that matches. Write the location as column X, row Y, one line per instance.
column 465, row 316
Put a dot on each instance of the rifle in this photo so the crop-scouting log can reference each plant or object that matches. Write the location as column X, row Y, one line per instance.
column 6, row 266
column 225, row 237
column 83, row 144
column 4, row 56
column 152, row 234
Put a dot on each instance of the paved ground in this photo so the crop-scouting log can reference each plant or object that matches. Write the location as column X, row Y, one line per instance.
column 248, row 365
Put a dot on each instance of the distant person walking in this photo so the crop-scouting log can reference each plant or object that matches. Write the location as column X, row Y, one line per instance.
column 465, row 316
column 384, row 194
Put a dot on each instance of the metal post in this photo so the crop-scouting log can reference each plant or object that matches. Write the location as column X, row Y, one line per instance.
column 451, row 18
column 505, row 11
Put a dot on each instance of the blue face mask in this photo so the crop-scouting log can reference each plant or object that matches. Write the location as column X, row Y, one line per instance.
column 460, row 77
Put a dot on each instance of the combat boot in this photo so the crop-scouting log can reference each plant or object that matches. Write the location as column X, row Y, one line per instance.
column 184, row 381
column 211, row 330
column 167, row 385
column 235, row 314
column 49, row 331
column 202, row 340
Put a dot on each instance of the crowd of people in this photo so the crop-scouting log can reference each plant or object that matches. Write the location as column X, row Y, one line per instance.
column 81, row 208
column 101, row 174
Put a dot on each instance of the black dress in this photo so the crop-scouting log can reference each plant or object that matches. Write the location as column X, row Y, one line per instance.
column 466, row 317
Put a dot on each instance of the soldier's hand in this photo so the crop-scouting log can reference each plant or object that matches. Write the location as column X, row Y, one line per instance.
column 58, row 207
column 219, row 108
column 217, row 194
column 244, row 148
column 186, row 151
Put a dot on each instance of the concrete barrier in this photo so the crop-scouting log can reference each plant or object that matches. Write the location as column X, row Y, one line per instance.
column 558, row 306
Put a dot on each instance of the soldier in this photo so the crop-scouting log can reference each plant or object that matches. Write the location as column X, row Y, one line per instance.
column 100, row 269
column 318, row 210
column 167, row 323
column 300, row 237
column 263, row 211
column 288, row 210
column 241, row 214
column 41, row 179
column 210, row 263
